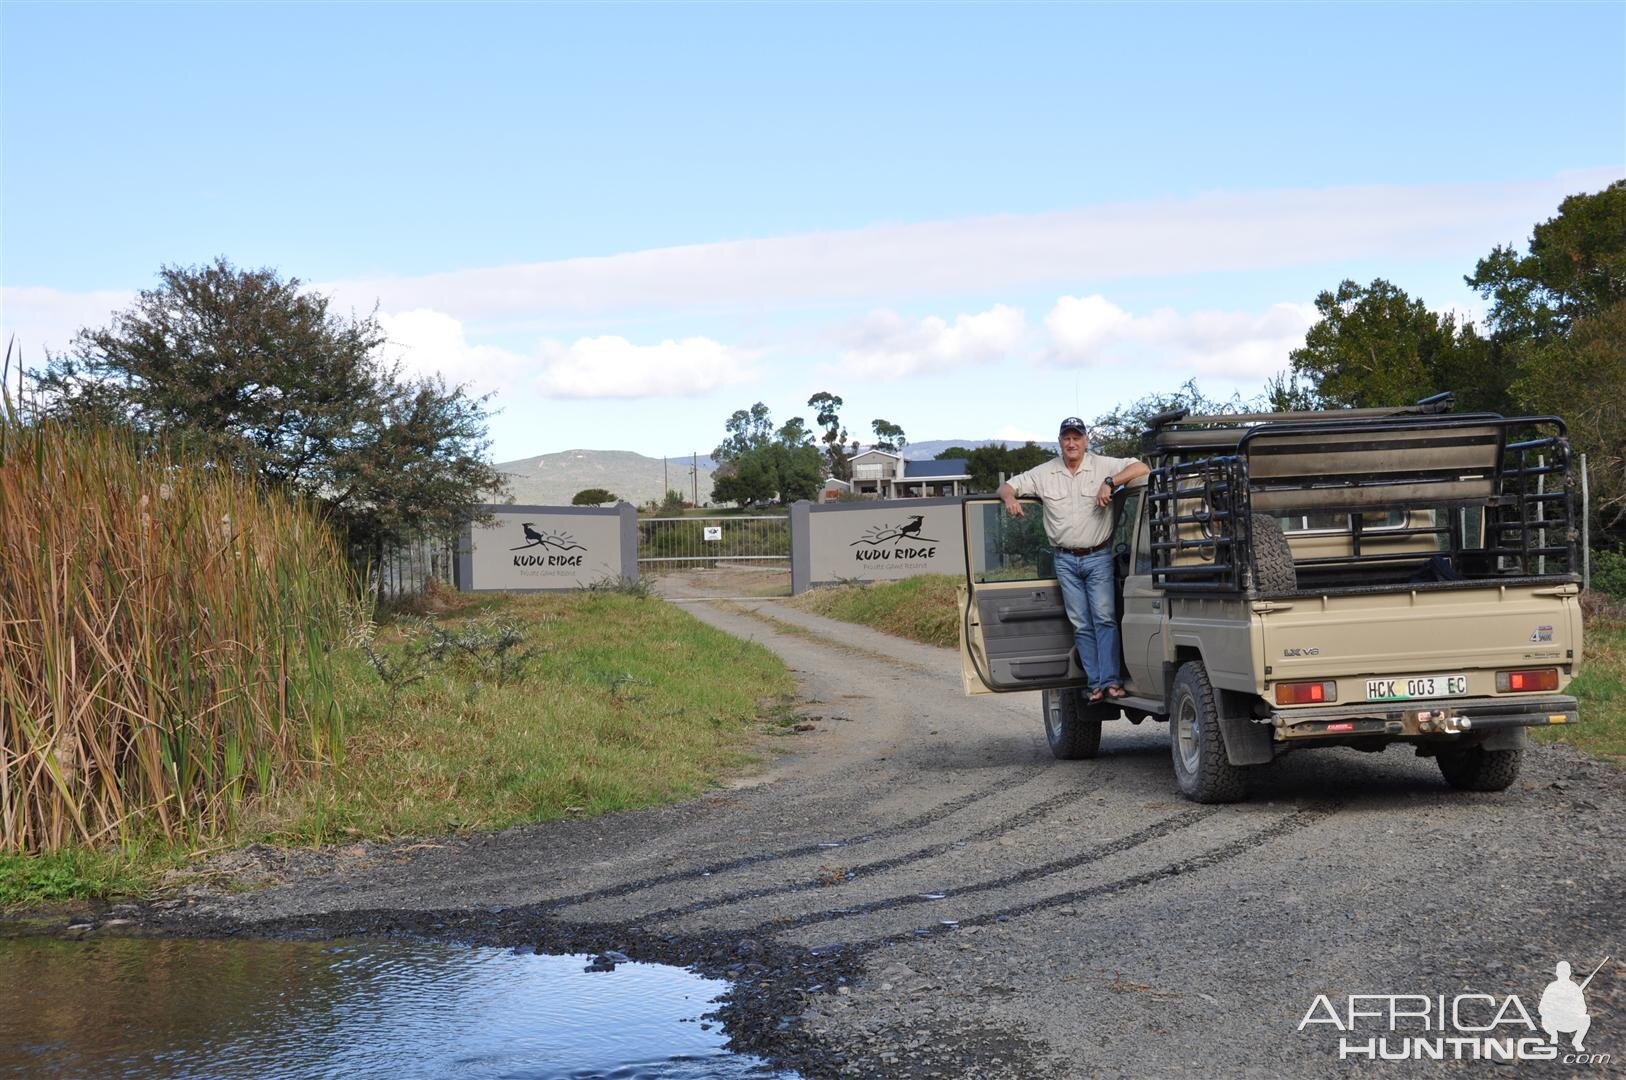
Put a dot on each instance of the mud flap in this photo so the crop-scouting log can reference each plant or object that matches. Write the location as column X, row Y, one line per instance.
column 1247, row 742
column 1513, row 738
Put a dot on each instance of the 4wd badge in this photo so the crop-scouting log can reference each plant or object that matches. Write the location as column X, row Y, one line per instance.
column 1542, row 633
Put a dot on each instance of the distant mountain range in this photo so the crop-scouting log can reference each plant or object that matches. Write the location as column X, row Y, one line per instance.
column 925, row 451
column 554, row 479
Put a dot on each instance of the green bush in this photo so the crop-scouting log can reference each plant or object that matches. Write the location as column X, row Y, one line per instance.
column 1609, row 573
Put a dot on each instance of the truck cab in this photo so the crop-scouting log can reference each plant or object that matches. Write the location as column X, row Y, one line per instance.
column 1290, row 581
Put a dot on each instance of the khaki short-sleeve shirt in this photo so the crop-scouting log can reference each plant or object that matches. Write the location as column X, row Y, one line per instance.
column 1071, row 518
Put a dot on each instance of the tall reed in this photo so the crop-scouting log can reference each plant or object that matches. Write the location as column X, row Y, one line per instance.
column 165, row 637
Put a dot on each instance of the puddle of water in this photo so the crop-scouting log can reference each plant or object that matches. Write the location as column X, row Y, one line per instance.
column 149, row 1008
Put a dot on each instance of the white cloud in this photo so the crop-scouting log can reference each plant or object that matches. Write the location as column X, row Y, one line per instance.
column 613, row 367
column 885, row 345
column 432, row 342
column 429, row 342
column 1207, row 233
column 1091, row 331
column 41, row 319
column 1081, row 325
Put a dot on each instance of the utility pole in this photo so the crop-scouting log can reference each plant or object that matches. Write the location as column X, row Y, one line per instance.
column 694, row 474
column 666, row 481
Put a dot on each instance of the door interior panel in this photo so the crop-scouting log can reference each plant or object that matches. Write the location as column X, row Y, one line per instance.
column 1027, row 639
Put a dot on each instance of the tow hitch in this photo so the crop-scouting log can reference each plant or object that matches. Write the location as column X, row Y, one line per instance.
column 1442, row 720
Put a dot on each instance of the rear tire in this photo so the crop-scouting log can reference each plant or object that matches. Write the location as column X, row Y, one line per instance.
column 1473, row 768
column 1202, row 769
column 1072, row 725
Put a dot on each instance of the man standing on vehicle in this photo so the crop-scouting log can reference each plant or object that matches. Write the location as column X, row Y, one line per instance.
column 1076, row 490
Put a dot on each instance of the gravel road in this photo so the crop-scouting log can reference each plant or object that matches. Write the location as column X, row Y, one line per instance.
column 914, row 887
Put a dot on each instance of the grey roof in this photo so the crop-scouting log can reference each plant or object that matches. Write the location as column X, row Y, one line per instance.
column 926, row 470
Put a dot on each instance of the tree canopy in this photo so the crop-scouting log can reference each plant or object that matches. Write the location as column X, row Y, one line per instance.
column 1575, row 268
column 592, row 497
column 989, row 464
column 1376, row 346
column 838, row 451
column 1557, row 328
column 256, row 372
column 761, row 464
column 888, row 436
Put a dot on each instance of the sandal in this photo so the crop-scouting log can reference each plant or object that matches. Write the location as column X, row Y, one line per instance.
column 1096, row 696
column 1116, row 692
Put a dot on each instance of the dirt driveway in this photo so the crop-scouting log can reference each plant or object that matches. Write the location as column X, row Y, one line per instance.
column 915, row 887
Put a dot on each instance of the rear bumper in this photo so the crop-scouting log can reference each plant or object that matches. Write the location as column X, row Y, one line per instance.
column 1423, row 719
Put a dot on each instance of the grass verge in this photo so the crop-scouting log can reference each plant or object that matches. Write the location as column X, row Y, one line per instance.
column 919, row 608
column 629, row 702
column 633, row 702
column 1601, row 690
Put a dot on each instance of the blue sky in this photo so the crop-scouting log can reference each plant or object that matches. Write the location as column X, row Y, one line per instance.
column 630, row 220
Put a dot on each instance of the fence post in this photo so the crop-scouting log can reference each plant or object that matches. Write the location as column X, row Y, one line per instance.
column 801, row 552
column 1586, row 529
column 463, row 576
column 629, row 540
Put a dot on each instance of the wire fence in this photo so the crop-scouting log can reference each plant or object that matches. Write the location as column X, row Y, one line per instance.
column 406, row 569
column 683, row 543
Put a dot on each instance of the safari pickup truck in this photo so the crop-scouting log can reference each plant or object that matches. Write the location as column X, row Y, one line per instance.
column 1289, row 581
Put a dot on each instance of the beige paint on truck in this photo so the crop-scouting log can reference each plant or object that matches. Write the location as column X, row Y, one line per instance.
column 1474, row 631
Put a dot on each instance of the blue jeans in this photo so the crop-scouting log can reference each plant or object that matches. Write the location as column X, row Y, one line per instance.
column 1089, row 593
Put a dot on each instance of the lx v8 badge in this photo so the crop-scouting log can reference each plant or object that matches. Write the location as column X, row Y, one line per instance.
column 1311, row 651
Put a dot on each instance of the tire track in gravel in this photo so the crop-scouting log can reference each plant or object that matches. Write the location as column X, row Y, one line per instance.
column 1155, row 831
column 932, row 816
column 1243, row 845
column 1026, row 817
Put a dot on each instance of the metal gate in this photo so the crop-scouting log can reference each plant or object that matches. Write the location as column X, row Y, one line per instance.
column 682, row 543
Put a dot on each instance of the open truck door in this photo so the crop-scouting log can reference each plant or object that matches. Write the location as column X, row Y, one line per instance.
column 1014, row 633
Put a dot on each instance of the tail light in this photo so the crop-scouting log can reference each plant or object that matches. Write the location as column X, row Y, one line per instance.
column 1527, row 680
column 1306, row 693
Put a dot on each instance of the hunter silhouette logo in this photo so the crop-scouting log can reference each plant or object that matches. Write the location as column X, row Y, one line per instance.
column 876, row 535
column 549, row 542
column 1563, row 1005
column 899, row 543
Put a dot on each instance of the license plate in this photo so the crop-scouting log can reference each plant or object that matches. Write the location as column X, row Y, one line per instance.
column 1417, row 686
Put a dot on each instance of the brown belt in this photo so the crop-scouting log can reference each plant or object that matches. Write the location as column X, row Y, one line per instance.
column 1102, row 546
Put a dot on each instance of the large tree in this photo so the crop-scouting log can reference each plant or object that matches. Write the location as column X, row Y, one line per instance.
column 837, row 451
column 761, row 464
column 1376, row 346
column 748, row 429
column 889, row 436
column 1581, row 377
column 1575, row 268
column 1558, row 316
column 256, row 372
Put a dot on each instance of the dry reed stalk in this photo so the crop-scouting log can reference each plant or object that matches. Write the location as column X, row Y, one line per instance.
column 165, row 635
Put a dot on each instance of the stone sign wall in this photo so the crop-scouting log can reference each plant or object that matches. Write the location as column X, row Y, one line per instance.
column 548, row 548
column 874, row 541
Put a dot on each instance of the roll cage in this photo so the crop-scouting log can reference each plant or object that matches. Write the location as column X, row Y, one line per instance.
column 1479, row 497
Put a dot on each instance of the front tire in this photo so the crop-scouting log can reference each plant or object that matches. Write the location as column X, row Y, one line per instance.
column 1071, row 725
column 1202, row 769
column 1473, row 768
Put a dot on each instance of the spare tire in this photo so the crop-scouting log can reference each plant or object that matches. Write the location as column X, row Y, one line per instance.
column 1273, row 571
